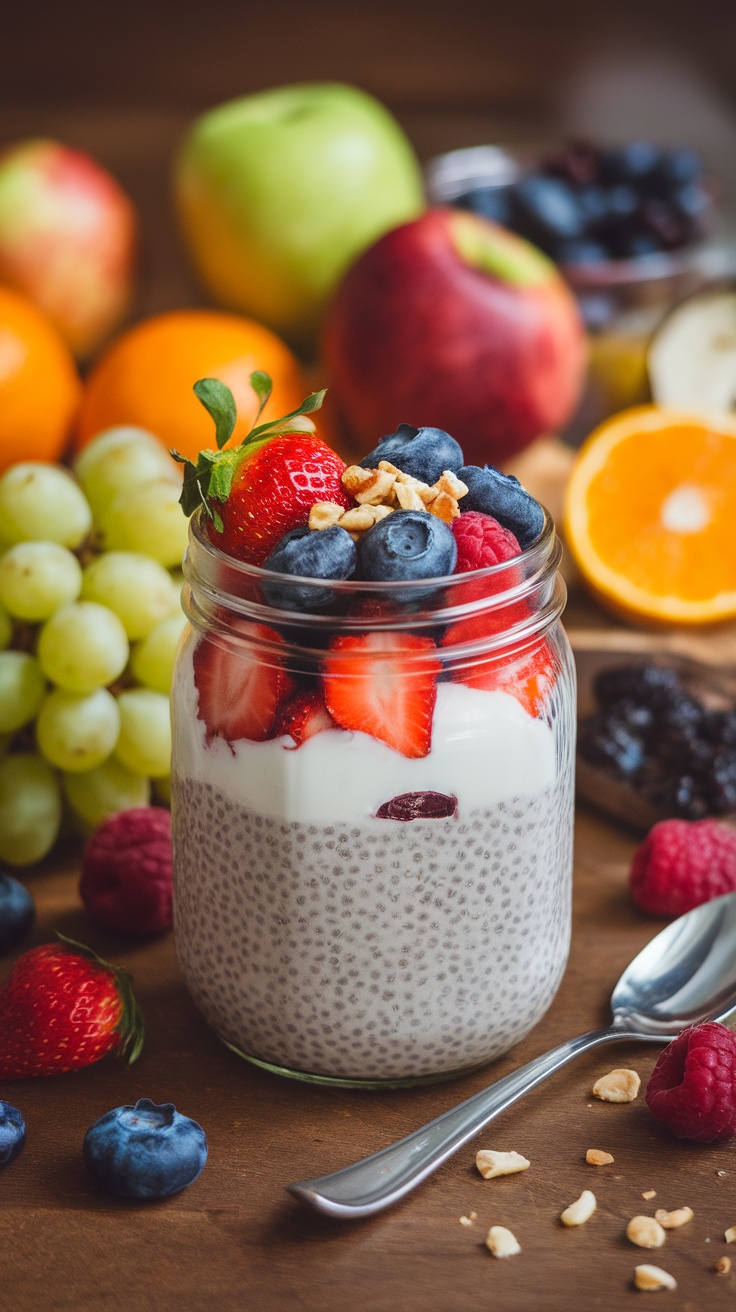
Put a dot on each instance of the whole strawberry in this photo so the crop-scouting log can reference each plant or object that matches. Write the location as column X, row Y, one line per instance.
column 252, row 494
column 62, row 1008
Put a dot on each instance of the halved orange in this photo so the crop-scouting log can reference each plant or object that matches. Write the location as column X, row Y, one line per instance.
column 650, row 515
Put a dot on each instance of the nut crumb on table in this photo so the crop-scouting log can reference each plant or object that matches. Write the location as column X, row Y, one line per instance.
column 581, row 1210
column 673, row 1220
column 501, row 1242
column 597, row 1157
column 649, row 1194
column 653, row 1277
column 723, row 1266
column 619, row 1085
column 730, row 1234
column 645, row 1232
column 491, row 1164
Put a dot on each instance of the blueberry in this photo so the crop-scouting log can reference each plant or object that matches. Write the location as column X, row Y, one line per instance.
column 17, row 912
column 425, row 453
column 583, row 251
column 490, row 202
column 145, row 1151
column 679, row 166
column 327, row 553
column 501, row 495
column 651, row 685
column 12, row 1133
column 546, row 208
column 631, row 163
column 407, row 544
column 607, row 742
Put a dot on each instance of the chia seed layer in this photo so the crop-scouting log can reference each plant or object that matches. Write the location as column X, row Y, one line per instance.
column 384, row 950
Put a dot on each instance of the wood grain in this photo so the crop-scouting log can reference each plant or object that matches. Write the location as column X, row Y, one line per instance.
column 236, row 1240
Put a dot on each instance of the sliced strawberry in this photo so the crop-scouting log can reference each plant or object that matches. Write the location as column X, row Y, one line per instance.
column 240, row 692
column 303, row 716
column 528, row 675
column 377, row 683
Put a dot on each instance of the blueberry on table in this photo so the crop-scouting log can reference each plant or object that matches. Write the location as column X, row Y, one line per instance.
column 581, row 251
column 145, row 1151
column 17, row 912
column 679, row 166
column 631, row 163
column 407, row 544
column 327, row 553
column 501, row 495
column 492, row 203
column 424, row 453
column 12, row 1133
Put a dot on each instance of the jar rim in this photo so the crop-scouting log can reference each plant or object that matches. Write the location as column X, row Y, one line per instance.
column 218, row 582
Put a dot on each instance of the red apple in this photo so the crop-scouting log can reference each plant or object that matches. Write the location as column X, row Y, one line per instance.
column 67, row 239
column 452, row 322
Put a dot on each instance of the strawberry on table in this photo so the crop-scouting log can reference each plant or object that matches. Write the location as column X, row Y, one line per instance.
column 254, row 493
column 384, row 684
column 240, row 692
column 63, row 1008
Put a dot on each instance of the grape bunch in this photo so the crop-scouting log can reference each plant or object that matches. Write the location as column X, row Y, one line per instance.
column 90, row 620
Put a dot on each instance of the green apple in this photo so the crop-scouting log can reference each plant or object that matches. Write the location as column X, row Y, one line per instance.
column 280, row 191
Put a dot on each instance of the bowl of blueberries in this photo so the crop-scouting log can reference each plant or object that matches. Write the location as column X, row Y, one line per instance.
column 634, row 229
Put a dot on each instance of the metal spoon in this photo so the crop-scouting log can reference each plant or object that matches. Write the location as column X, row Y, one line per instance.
column 686, row 975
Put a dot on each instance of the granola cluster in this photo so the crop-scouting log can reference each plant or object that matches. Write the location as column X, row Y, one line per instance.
column 380, row 491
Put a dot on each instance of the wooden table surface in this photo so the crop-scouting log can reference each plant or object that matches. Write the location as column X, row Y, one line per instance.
column 235, row 1239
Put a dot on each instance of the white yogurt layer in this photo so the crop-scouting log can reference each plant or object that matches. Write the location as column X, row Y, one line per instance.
column 486, row 749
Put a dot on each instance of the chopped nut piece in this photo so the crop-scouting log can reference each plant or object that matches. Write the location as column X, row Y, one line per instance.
column 721, row 1175
column 358, row 519
column 620, row 1085
column 443, row 507
column 452, row 485
column 597, row 1157
column 367, row 485
column 723, row 1266
column 673, row 1220
column 645, row 1232
column 490, row 1164
column 730, row 1235
column 653, row 1277
column 465, row 1220
column 501, row 1242
column 649, row 1194
column 581, row 1210
column 324, row 514
column 473, row 1216
column 407, row 497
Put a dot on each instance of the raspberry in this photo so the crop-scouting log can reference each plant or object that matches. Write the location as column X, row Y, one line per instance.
column 126, row 878
column 682, row 863
column 692, row 1088
column 482, row 541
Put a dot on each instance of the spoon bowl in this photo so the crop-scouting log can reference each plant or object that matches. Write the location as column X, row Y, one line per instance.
column 684, row 976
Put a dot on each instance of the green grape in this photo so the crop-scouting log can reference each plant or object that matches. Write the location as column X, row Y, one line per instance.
column 77, row 731
column 122, row 458
column 152, row 661
column 83, row 647
column 30, row 809
column 145, row 732
column 37, row 578
column 42, row 503
column 22, row 689
column 6, row 627
column 94, row 795
column 147, row 519
column 136, row 588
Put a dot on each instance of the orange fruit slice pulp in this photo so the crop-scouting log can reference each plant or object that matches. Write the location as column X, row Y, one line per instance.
column 650, row 515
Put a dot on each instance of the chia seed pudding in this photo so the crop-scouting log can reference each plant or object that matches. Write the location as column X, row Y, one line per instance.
column 322, row 939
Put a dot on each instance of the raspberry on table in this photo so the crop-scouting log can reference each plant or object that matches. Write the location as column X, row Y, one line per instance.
column 681, row 864
column 482, row 541
column 692, row 1089
column 126, row 881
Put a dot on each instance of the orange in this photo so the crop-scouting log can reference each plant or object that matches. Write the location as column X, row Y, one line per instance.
column 146, row 377
column 650, row 515
column 39, row 384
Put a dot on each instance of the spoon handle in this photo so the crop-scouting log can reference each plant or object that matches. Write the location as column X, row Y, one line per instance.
column 378, row 1181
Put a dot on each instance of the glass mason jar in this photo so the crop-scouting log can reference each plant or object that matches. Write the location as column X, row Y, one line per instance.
column 385, row 904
